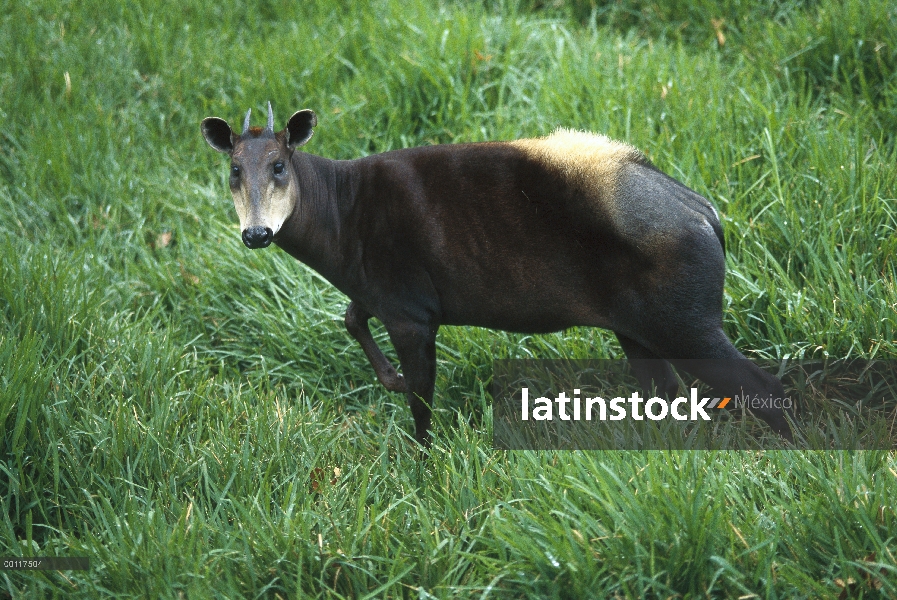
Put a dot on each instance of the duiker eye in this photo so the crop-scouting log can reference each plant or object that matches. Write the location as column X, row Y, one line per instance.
column 278, row 168
column 235, row 171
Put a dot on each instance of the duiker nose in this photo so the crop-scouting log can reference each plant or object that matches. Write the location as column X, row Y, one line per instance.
column 257, row 237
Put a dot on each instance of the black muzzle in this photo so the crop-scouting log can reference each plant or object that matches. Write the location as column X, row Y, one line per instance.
column 257, row 237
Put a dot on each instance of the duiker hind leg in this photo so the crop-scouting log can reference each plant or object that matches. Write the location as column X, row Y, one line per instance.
column 711, row 357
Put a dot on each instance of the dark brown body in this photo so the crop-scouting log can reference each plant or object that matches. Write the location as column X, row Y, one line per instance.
column 533, row 236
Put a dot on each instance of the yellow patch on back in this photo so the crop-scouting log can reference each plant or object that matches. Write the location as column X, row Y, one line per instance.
column 588, row 160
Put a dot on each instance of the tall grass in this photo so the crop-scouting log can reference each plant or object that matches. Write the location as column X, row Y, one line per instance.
column 193, row 417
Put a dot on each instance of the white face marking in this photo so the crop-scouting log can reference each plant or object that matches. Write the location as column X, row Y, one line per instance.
column 262, row 198
column 274, row 209
column 242, row 206
column 280, row 206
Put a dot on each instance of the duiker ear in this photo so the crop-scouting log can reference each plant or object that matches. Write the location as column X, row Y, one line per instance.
column 299, row 128
column 218, row 134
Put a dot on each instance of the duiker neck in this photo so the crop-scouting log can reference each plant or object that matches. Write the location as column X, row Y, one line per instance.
column 324, row 193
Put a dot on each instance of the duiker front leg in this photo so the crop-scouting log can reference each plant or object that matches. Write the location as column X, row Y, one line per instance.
column 357, row 325
column 415, row 343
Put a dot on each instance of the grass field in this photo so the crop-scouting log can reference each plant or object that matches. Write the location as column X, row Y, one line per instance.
column 192, row 415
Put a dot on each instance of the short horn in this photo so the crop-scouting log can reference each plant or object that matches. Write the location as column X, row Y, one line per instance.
column 246, row 121
column 270, row 118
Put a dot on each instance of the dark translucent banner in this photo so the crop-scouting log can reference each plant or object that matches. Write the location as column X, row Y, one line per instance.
column 846, row 404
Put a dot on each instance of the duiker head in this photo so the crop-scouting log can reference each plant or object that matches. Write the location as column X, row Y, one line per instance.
column 262, row 178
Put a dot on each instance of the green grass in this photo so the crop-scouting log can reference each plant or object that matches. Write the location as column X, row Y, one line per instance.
column 192, row 415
